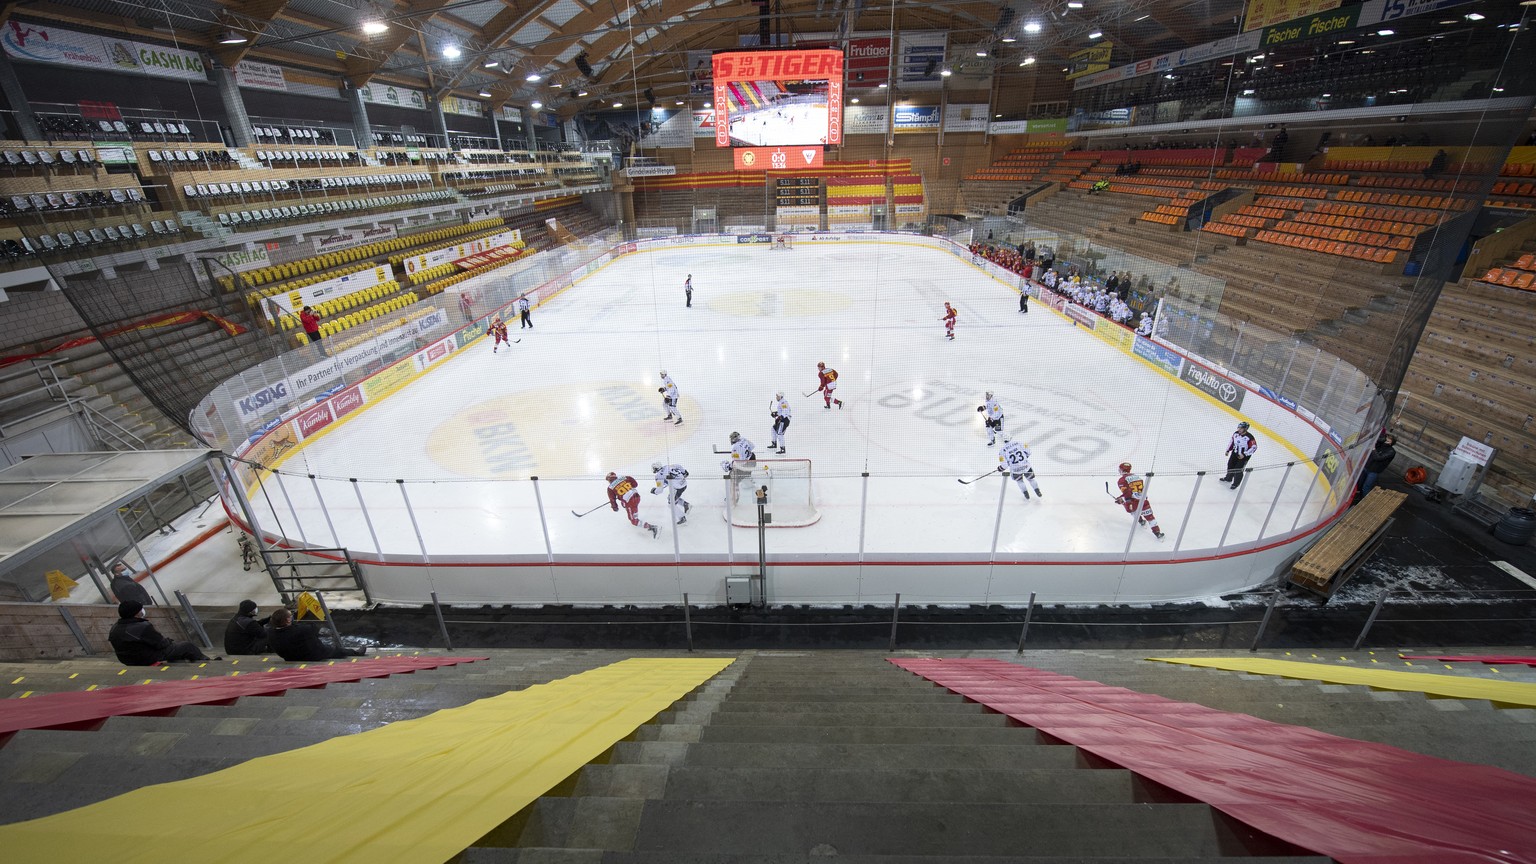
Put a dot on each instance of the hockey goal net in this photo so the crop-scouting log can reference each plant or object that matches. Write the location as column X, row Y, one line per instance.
column 791, row 495
column 783, row 241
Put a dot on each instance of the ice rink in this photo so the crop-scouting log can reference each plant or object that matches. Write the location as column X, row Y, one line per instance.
column 578, row 398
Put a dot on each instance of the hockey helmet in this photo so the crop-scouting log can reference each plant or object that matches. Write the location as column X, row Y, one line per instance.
column 663, row 373
column 1125, row 467
column 1243, row 425
column 655, row 466
column 779, row 396
column 989, row 394
column 735, row 436
column 611, row 477
column 821, row 365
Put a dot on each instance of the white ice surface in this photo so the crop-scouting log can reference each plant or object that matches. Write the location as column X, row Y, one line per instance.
column 577, row 398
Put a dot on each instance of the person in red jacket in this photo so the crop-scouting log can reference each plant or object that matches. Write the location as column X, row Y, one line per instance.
column 949, row 322
column 311, row 324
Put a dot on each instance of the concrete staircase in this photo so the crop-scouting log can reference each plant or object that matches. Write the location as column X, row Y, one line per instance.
column 784, row 757
column 795, row 757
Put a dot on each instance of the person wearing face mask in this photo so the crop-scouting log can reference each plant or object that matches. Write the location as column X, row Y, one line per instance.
column 245, row 633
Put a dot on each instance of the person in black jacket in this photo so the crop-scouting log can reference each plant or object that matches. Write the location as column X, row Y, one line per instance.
column 124, row 587
column 137, row 643
column 244, row 634
column 301, row 641
column 1381, row 457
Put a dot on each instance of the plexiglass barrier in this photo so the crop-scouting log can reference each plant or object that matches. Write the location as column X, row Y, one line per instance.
column 557, row 534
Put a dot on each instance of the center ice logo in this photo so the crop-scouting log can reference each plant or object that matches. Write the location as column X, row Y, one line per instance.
column 771, row 303
column 555, row 432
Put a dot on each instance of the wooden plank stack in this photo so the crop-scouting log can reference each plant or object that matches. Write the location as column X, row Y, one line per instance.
column 1330, row 555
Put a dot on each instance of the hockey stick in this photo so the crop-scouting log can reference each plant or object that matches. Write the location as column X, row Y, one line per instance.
column 976, row 479
column 718, row 451
column 593, row 510
column 810, row 394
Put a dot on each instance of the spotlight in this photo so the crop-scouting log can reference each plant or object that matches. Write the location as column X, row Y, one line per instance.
column 1474, row 16
column 535, row 105
column 1027, row 60
column 947, row 72
column 532, row 77
column 854, row 100
column 580, row 93
column 679, row 103
column 490, row 64
column 618, row 104
column 1009, row 40
column 1075, row 4
column 1097, row 34
column 485, row 94
column 374, row 28
column 1385, row 32
column 981, row 53
column 452, row 52
column 232, row 37
column 1032, row 27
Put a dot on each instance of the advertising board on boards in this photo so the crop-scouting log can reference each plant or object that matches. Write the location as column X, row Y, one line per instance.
column 1213, row 384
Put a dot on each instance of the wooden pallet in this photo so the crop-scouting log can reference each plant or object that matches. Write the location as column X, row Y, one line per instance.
column 1347, row 544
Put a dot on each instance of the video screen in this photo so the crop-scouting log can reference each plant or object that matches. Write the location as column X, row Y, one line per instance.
column 778, row 98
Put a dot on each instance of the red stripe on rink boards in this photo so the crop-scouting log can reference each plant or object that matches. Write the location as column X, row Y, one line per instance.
column 1354, row 801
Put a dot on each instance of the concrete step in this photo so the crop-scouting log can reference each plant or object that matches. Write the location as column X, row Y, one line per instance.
column 825, row 719
column 481, row 855
column 1032, row 785
column 830, row 756
column 931, row 828
column 914, row 735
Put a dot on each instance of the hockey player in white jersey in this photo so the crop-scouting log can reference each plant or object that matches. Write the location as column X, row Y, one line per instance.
column 740, row 465
column 992, row 413
column 674, row 479
column 1013, row 459
column 780, row 411
column 668, row 391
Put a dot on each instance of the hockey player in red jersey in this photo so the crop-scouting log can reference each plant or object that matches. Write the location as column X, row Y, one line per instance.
column 626, row 491
column 949, row 321
column 499, row 332
column 827, row 384
column 1133, row 498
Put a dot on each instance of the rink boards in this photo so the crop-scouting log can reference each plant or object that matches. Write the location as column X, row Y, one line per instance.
column 391, row 531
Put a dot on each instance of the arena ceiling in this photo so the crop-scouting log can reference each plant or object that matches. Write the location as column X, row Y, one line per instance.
column 629, row 45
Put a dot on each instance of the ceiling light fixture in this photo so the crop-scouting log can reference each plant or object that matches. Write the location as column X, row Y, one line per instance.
column 1075, row 4
column 1346, row 42
column 452, row 52
column 580, row 93
column 533, row 76
column 883, row 85
column 946, row 72
column 981, row 52
column 679, row 103
column 490, row 64
column 1032, row 27
column 485, row 94
column 1474, row 16
column 1385, row 32
column 232, row 37
column 618, row 104
column 535, row 104
column 1097, row 34
column 1327, row 95
column 1027, row 60
column 374, row 28
column 854, row 100
column 1142, row 18
column 1009, row 40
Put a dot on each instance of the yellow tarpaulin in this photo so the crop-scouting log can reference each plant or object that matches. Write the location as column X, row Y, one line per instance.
column 1507, row 693
column 416, row 791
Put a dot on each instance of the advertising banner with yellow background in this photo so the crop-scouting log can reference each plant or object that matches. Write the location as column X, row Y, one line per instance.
column 1094, row 58
column 1262, row 13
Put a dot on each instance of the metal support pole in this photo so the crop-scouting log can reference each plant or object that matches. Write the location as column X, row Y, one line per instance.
column 687, row 622
column 1029, row 613
column 1241, row 326
column 297, row 522
column 1290, row 357
column 549, row 549
column 238, row 492
column 1381, row 600
column 410, row 512
column 74, row 627
column 1274, row 597
column 1317, row 474
column 335, row 538
column 142, row 557
column 330, row 619
column 367, row 520
column 1194, row 493
column 1310, row 369
column 197, row 624
column 442, row 625
column 997, row 523
column 863, row 513
column 1236, row 502
column 895, row 617
column 1275, row 501
column 762, row 544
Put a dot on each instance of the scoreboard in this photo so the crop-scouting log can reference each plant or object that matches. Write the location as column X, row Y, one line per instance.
column 778, row 98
